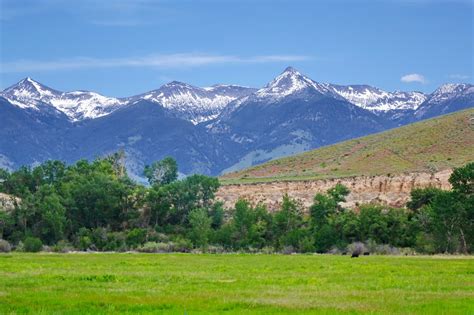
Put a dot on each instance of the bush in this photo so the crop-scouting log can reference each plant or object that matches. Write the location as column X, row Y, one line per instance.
column 287, row 250
column 62, row 247
column 116, row 242
column 32, row 244
column 182, row 245
column 84, row 242
column 356, row 248
column 5, row 246
column 136, row 237
column 306, row 245
column 215, row 249
column 386, row 250
column 268, row 250
column 154, row 236
column 154, row 247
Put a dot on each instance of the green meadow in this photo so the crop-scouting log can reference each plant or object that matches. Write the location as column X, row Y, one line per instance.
column 234, row 284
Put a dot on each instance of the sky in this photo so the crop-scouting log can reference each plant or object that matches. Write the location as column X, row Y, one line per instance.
column 126, row 47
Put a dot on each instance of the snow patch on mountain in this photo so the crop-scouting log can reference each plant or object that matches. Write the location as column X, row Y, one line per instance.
column 193, row 103
column 450, row 90
column 289, row 82
column 377, row 100
column 76, row 105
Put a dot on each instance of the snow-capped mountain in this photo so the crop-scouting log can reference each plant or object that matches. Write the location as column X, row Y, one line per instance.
column 288, row 83
column 377, row 100
column 76, row 105
column 449, row 91
column 193, row 103
column 29, row 94
column 290, row 114
column 188, row 102
column 445, row 99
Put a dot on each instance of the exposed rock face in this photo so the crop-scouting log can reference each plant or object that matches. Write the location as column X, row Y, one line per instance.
column 388, row 190
column 7, row 202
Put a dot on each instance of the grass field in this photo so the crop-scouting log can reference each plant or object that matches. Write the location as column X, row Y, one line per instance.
column 234, row 284
column 427, row 146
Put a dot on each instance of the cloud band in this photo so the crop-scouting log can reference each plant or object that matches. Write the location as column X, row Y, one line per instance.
column 158, row 61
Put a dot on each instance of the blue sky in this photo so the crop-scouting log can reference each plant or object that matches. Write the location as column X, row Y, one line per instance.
column 125, row 47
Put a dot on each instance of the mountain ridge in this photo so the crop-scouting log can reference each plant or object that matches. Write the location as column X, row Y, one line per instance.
column 210, row 130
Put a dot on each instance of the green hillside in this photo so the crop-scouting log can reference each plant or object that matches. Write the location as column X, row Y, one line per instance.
column 431, row 145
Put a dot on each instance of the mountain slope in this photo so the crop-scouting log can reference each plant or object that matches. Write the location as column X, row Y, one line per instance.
column 193, row 103
column 377, row 100
column 209, row 130
column 76, row 105
column 431, row 145
column 446, row 99
column 29, row 136
column 291, row 114
column 147, row 133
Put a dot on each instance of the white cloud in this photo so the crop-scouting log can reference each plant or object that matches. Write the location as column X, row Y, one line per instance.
column 184, row 60
column 413, row 77
column 458, row 76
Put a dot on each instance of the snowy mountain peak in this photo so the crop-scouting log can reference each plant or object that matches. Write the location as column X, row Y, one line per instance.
column 290, row 69
column 447, row 91
column 28, row 87
column 449, row 88
column 29, row 94
column 76, row 105
column 290, row 81
column 377, row 100
column 177, row 84
column 194, row 103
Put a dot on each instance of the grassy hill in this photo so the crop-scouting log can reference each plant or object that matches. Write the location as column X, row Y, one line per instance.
column 431, row 145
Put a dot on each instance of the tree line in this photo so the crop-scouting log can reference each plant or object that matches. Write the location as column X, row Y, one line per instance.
column 96, row 206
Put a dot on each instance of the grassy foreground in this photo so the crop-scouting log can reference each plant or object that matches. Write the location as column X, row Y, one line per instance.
column 198, row 284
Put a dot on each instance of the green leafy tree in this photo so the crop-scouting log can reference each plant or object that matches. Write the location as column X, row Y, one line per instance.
column 200, row 227
column 288, row 224
column 6, row 222
column 171, row 203
column 420, row 197
column 50, row 222
column 162, row 172
column 249, row 225
column 462, row 180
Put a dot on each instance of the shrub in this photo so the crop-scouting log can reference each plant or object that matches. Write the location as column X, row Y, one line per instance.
column 154, row 247
column 306, row 245
column 136, row 237
column 84, row 242
column 334, row 251
column 62, row 247
column 268, row 250
column 182, row 245
column 116, row 242
column 32, row 244
column 386, row 249
column 5, row 246
column 154, row 236
column 99, row 238
column 357, row 248
column 215, row 249
column 287, row 250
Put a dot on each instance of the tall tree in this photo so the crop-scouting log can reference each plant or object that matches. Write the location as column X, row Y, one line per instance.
column 162, row 172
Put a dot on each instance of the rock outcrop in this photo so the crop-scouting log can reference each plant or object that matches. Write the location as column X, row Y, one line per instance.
column 388, row 190
column 7, row 202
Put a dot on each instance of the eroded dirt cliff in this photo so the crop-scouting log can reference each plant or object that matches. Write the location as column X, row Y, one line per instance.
column 389, row 190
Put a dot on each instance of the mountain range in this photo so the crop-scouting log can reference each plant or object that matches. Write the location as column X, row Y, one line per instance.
column 208, row 130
